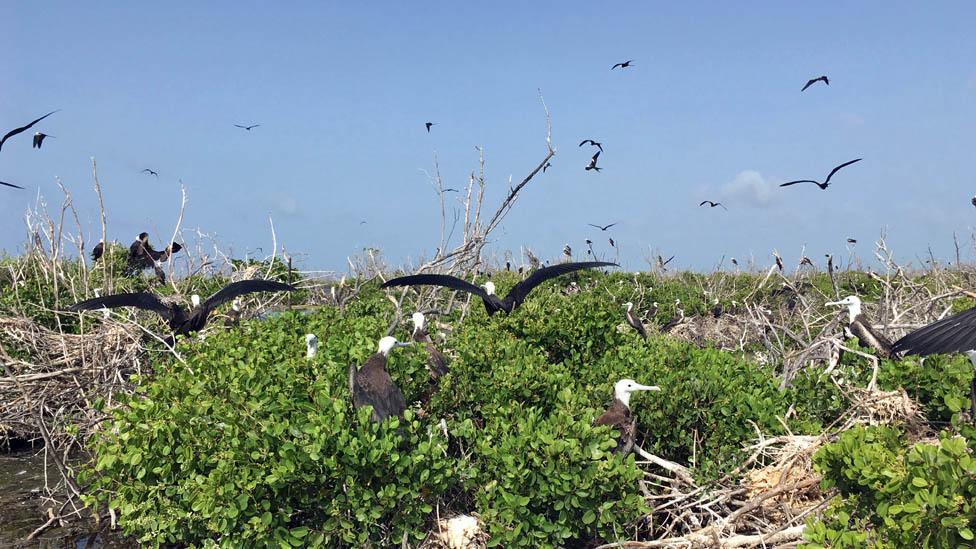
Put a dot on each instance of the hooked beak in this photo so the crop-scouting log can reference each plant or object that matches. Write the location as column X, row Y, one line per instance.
column 638, row 387
column 402, row 344
column 835, row 303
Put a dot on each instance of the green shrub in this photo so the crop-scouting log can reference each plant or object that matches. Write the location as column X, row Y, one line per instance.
column 895, row 495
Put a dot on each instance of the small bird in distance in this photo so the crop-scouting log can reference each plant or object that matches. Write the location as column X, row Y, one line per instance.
column 813, row 81
column 591, row 142
column 147, row 171
column 623, row 65
column 826, row 182
column 429, row 124
column 248, row 128
column 601, row 227
column 712, row 204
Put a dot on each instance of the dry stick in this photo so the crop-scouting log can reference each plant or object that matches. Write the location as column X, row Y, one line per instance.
column 274, row 247
column 176, row 231
column 108, row 276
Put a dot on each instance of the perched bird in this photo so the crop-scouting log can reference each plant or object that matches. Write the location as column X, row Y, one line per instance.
column 652, row 312
column 143, row 256
column 234, row 315
column 860, row 326
column 371, row 385
column 717, row 308
column 21, row 129
column 618, row 415
column 591, row 142
column 592, row 165
column 549, row 165
column 97, row 251
column 11, row 185
column 634, row 321
column 677, row 318
column 182, row 322
column 533, row 260
column 813, row 81
column 779, row 261
column 712, row 204
column 248, row 128
column 623, row 65
column 39, row 139
column 492, row 302
column 851, row 241
column 311, row 346
column 806, row 261
column 826, row 183
column 567, row 251
column 436, row 361
column 602, row 228
column 429, row 124
column 147, row 171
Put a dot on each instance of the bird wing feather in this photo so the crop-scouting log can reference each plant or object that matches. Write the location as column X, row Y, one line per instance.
column 446, row 281
column 11, row 185
column 519, row 291
column 236, row 289
column 954, row 334
column 139, row 300
column 15, row 131
column 833, row 171
column 798, row 181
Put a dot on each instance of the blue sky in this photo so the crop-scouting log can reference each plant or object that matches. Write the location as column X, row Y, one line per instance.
column 711, row 109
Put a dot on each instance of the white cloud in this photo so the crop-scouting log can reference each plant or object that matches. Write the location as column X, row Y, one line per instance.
column 749, row 188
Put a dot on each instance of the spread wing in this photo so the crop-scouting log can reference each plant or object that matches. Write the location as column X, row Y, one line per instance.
column 522, row 289
column 139, row 300
column 14, row 132
column 11, row 185
column 446, row 281
column 833, row 171
column 809, row 83
column 595, row 156
column 954, row 334
column 236, row 289
column 799, row 181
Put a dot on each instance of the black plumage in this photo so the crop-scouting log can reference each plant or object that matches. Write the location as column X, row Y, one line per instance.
column 248, row 128
column 712, row 204
column 601, row 227
column 97, row 251
column 826, row 183
column 371, row 385
column 634, row 321
column 429, row 124
column 492, row 302
column 10, row 185
column 21, row 129
column 147, row 171
column 813, row 81
column 591, row 142
column 181, row 321
column 953, row 334
column 623, row 65
column 143, row 256
column 39, row 139
column 592, row 165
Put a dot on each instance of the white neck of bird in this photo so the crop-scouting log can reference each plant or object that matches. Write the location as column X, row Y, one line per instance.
column 490, row 288
column 418, row 321
column 195, row 300
column 853, row 310
column 623, row 396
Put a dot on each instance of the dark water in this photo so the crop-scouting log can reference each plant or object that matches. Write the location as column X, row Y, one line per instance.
column 21, row 511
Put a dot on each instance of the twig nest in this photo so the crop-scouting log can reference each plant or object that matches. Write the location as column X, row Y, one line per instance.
column 886, row 407
column 460, row 532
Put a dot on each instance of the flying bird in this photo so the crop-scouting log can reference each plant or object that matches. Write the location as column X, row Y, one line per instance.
column 712, row 204
column 860, row 326
column 147, row 171
column 11, row 185
column 826, row 182
column 143, row 256
column 813, row 81
column 602, row 228
column 15, row 131
column 429, row 124
column 591, row 142
column 492, row 302
column 450, row 190
column 549, row 165
column 623, row 65
column 618, row 415
column 973, row 201
column 371, row 385
column 39, row 139
column 248, row 128
column 181, row 321
column 851, row 241
column 612, row 243
column 634, row 321
column 592, row 165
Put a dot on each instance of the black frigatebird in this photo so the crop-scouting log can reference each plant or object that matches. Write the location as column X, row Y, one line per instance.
column 623, row 65
column 147, row 171
column 429, row 124
column 618, row 415
column 592, row 165
column 371, row 385
column 603, row 227
column 826, row 182
column 39, row 139
column 712, row 204
column 248, row 128
column 10, row 185
column 813, row 81
column 591, row 142
column 15, row 131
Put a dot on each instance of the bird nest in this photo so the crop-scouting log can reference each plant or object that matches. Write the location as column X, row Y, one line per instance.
column 459, row 532
column 873, row 407
column 67, row 372
column 727, row 332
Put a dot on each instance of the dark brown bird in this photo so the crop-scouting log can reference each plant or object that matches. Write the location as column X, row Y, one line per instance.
column 493, row 303
column 712, row 204
column 612, row 243
column 851, row 241
column 860, row 326
column 618, row 415
column 592, row 165
column 11, row 185
column 826, row 183
column 634, row 321
column 248, row 128
column 143, row 256
column 623, row 65
column 436, row 361
column 372, row 385
column 591, row 142
column 549, row 165
column 147, row 171
column 15, row 131
column 603, row 227
column 813, row 81
column 39, row 139
column 97, row 251
column 779, row 261
column 182, row 322
column 429, row 124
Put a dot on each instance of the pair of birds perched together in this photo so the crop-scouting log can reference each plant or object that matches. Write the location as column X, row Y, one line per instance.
column 142, row 255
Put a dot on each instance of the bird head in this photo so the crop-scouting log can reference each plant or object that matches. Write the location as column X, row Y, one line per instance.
column 195, row 300
column 489, row 287
column 389, row 343
column 629, row 306
column 853, row 304
column 311, row 345
column 623, row 388
column 144, row 237
column 418, row 320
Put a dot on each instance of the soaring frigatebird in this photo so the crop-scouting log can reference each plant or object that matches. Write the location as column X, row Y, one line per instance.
column 712, row 204
column 39, row 139
column 826, row 183
column 11, row 185
column 591, row 142
column 147, row 171
column 248, row 128
column 436, row 361
column 813, row 81
column 592, row 165
column 429, row 124
column 860, row 326
column 372, row 385
column 618, row 414
column 492, row 303
column 182, row 322
column 623, row 65
column 15, row 131
column 601, row 227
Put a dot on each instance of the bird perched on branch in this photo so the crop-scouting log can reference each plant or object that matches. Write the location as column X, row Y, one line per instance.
column 143, row 256
column 371, row 385
column 97, row 251
column 860, row 326
column 618, row 415
column 492, row 303
column 813, row 81
column 21, row 129
column 826, row 183
column 181, row 321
